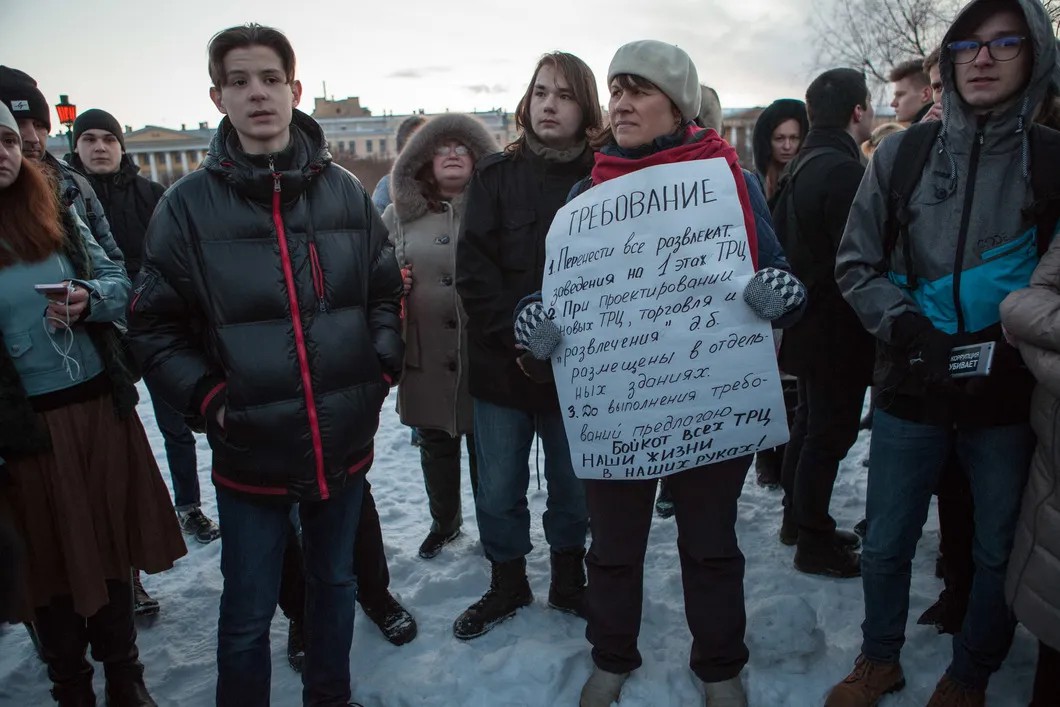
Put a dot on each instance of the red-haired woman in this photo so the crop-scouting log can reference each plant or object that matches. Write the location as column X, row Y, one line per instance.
column 78, row 479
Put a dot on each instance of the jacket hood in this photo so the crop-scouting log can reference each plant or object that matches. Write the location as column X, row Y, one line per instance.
column 409, row 201
column 777, row 112
column 959, row 120
column 309, row 156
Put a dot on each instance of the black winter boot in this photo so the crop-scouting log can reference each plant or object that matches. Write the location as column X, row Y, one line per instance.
column 509, row 591
column 113, row 637
column 394, row 620
column 830, row 558
column 75, row 694
column 295, row 646
column 567, row 591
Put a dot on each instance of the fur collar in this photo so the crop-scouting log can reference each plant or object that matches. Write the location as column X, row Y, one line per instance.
column 409, row 202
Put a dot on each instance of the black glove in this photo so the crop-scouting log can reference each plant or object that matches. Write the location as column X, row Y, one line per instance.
column 928, row 350
column 535, row 369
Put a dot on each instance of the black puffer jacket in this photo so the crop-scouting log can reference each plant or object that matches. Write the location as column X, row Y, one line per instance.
column 275, row 293
column 500, row 259
column 128, row 202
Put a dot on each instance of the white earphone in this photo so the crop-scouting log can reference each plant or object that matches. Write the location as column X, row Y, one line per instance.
column 50, row 323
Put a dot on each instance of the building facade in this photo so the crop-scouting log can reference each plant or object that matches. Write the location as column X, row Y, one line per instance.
column 165, row 155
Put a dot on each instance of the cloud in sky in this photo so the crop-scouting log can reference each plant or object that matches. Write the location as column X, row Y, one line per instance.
column 418, row 73
column 146, row 61
column 481, row 88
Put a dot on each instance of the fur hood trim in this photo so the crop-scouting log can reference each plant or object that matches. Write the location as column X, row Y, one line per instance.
column 409, row 202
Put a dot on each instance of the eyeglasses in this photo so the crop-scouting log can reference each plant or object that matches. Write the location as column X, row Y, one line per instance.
column 460, row 150
column 1000, row 49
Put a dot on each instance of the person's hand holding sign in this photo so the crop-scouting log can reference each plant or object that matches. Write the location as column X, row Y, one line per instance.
column 774, row 294
column 538, row 335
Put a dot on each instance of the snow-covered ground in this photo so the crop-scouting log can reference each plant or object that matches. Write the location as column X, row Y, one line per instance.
column 803, row 631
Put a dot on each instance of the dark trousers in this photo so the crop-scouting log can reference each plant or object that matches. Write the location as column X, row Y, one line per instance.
column 180, row 454
column 65, row 635
column 1046, row 678
column 956, row 530
column 712, row 567
column 369, row 563
column 825, row 428
column 772, row 459
column 440, row 460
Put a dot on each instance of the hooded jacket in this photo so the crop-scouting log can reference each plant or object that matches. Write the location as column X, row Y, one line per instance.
column 762, row 139
column 269, row 287
column 971, row 241
column 1032, row 316
column 128, row 201
column 434, row 383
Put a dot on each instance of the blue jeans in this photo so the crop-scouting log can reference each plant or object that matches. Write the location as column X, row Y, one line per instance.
column 906, row 460
column 503, row 437
column 251, row 562
column 180, row 454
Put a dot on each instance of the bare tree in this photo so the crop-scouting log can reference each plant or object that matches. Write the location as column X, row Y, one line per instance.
column 874, row 35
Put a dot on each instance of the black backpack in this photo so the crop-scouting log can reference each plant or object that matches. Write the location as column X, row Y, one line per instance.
column 912, row 155
column 811, row 267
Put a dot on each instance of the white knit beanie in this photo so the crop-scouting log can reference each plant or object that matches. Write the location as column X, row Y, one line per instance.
column 666, row 66
column 8, row 121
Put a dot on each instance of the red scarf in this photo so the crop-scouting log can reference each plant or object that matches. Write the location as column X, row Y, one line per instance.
column 699, row 145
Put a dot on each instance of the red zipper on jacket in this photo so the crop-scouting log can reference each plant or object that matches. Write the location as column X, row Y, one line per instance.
column 299, row 335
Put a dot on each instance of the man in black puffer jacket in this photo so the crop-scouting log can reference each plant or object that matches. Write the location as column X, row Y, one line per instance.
column 128, row 201
column 268, row 307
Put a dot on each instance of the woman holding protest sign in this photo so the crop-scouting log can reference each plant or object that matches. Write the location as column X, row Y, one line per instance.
column 655, row 95
column 427, row 185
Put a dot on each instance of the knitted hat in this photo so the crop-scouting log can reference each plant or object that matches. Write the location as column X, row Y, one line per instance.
column 19, row 92
column 666, row 66
column 8, row 121
column 96, row 119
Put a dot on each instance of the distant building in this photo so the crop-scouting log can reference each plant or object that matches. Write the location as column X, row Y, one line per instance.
column 166, row 154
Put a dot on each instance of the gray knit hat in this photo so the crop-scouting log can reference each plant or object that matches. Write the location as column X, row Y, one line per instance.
column 8, row 121
column 666, row 66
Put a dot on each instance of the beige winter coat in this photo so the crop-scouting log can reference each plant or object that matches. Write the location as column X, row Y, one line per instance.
column 1032, row 316
column 433, row 392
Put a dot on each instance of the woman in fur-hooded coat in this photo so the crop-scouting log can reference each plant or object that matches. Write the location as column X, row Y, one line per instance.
column 424, row 219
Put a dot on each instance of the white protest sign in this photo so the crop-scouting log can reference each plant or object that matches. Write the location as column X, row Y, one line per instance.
column 662, row 366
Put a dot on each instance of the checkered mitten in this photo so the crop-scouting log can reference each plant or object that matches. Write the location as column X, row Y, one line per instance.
column 534, row 331
column 772, row 293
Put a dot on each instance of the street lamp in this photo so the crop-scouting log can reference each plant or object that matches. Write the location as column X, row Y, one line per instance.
column 67, row 115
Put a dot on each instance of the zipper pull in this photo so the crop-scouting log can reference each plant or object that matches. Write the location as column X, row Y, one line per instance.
column 980, row 138
column 275, row 175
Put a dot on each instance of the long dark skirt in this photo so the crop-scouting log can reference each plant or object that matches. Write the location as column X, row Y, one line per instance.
column 90, row 509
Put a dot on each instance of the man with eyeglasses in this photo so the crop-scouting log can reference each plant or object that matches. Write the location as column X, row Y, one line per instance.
column 965, row 238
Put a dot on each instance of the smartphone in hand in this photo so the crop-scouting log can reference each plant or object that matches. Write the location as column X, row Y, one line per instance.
column 58, row 288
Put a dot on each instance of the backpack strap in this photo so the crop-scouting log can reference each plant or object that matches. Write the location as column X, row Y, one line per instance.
column 1045, row 183
column 913, row 151
column 786, row 219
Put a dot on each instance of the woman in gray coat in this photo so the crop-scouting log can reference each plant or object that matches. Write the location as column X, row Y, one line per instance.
column 427, row 186
column 1031, row 317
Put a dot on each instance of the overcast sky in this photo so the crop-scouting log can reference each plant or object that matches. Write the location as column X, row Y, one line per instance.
column 145, row 61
